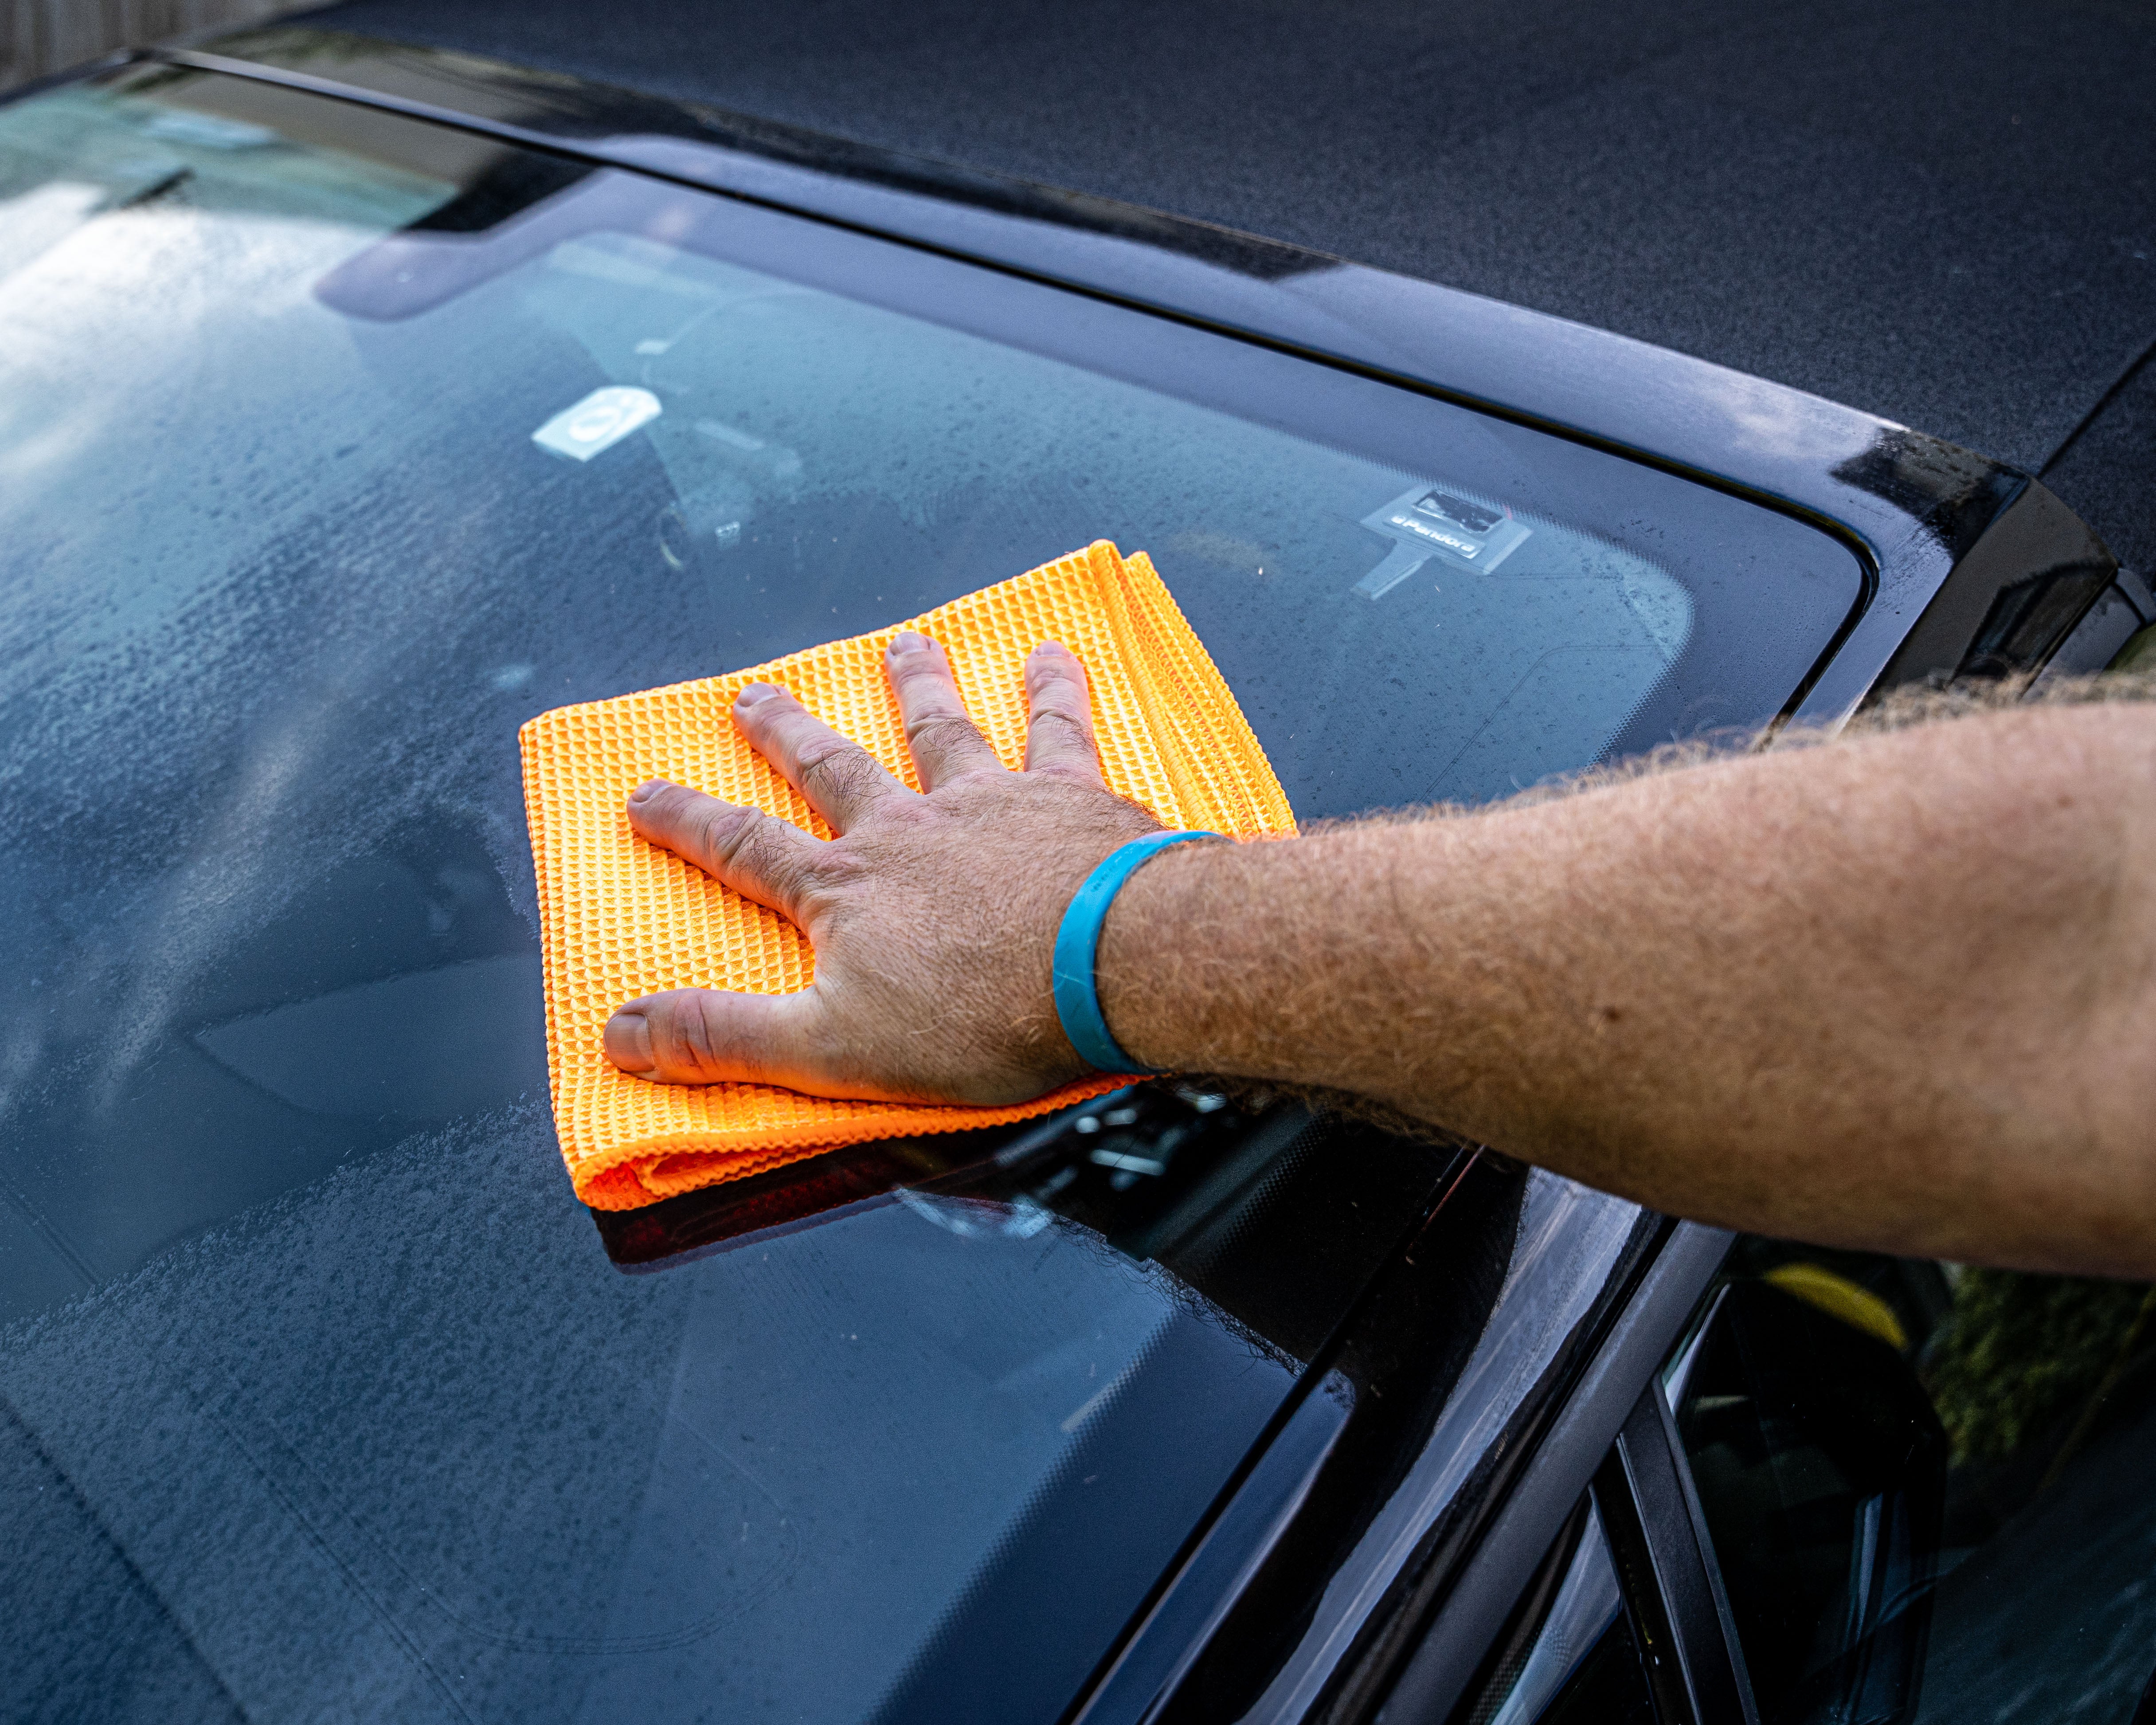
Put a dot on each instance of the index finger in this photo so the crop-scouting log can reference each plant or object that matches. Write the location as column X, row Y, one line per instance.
column 842, row 781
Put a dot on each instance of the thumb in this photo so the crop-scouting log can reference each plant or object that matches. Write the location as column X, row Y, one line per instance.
column 708, row 1036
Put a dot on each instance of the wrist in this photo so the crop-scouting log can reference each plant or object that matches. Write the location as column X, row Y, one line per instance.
column 1148, row 967
column 1077, row 949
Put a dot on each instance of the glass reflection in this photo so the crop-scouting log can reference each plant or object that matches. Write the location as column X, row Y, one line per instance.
column 1924, row 1483
column 1274, row 1216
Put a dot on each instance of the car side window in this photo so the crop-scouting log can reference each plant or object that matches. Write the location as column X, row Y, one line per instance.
column 1924, row 1487
column 1571, row 1656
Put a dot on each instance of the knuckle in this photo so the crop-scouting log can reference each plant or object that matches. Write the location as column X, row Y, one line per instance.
column 941, row 731
column 700, row 1033
column 1076, row 724
column 684, row 1043
column 817, row 896
column 842, row 864
column 671, row 1052
column 727, row 831
column 778, row 866
column 752, row 844
column 1057, row 733
column 814, row 756
column 834, row 765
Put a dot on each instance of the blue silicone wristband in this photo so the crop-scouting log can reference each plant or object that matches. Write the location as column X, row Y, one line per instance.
column 1078, row 945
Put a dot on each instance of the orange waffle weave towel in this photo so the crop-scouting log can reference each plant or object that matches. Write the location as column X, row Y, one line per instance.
column 620, row 918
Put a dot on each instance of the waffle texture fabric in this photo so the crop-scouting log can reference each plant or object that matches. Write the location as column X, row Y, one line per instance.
column 620, row 918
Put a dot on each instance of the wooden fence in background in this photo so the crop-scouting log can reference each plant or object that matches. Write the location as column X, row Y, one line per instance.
column 42, row 36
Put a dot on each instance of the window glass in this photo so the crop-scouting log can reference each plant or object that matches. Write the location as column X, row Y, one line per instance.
column 333, row 446
column 296, row 534
column 1608, row 1688
column 1924, row 1485
column 1572, row 1656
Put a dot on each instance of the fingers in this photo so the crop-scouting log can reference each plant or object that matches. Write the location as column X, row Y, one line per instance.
column 842, row 780
column 707, row 1036
column 946, row 743
column 757, row 854
column 1058, row 726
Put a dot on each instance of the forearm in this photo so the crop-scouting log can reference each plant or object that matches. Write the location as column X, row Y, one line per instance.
column 1898, row 992
column 1893, row 993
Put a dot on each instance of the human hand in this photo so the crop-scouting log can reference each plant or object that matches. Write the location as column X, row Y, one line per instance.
column 933, row 917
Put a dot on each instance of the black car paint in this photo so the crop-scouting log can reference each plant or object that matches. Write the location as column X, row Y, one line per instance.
column 1949, row 537
column 1935, row 211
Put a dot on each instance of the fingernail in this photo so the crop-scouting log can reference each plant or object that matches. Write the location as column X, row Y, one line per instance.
column 908, row 641
column 753, row 693
column 1049, row 647
column 650, row 787
column 628, row 1041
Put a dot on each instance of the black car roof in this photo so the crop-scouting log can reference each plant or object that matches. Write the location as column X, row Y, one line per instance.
column 1939, row 214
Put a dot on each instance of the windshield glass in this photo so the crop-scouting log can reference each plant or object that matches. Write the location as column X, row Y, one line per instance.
column 333, row 446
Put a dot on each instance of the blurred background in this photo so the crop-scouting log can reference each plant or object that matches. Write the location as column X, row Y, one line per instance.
column 42, row 36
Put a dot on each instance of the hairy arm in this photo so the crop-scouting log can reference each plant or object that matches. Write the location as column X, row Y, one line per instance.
column 1898, row 992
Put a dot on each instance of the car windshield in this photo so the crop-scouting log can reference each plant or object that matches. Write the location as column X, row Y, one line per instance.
column 334, row 445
